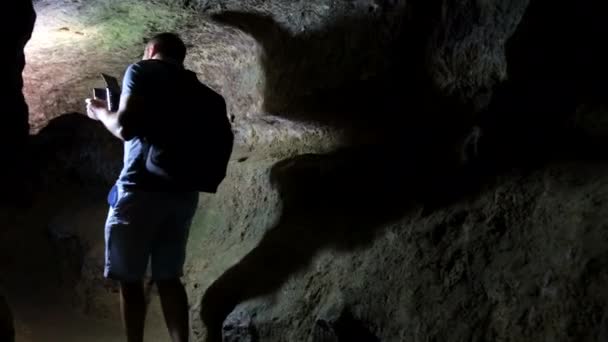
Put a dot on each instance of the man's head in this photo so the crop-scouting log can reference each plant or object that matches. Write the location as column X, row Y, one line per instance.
column 166, row 46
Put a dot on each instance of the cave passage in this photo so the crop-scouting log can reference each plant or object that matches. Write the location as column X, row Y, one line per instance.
column 402, row 170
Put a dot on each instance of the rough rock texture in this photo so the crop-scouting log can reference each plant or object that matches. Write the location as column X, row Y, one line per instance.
column 76, row 150
column 415, row 246
column 455, row 49
column 404, row 171
column 238, row 327
column 466, row 54
column 519, row 261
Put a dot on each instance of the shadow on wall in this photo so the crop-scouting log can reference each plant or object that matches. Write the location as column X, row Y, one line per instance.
column 338, row 201
column 344, row 199
column 305, row 73
column 73, row 149
column 557, row 62
column 365, row 75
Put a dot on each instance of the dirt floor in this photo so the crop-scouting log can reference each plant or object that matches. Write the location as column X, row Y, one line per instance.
column 44, row 317
column 38, row 279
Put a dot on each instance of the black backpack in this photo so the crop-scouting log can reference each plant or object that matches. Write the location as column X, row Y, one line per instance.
column 191, row 149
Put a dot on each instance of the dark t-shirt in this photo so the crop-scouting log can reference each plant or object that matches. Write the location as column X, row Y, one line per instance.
column 155, row 82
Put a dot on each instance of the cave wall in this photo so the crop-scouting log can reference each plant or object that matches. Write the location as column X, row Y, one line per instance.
column 409, row 237
column 553, row 93
column 404, row 171
column 519, row 260
column 14, row 130
column 370, row 66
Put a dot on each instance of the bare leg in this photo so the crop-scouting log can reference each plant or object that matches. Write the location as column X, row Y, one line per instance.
column 175, row 308
column 133, row 305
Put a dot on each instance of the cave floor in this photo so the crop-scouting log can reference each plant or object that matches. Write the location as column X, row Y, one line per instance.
column 42, row 295
column 56, row 324
column 49, row 316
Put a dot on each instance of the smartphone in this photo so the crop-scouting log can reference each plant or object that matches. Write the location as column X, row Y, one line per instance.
column 112, row 92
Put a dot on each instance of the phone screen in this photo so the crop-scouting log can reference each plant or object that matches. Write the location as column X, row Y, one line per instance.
column 99, row 93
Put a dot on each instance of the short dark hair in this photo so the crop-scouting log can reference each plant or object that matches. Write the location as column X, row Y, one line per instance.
column 169, row 45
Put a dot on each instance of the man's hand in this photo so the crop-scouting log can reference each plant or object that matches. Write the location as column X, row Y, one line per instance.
column 95, row 108
column 98, row 110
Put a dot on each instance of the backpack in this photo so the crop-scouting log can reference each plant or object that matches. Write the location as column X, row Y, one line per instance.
column 191, row 149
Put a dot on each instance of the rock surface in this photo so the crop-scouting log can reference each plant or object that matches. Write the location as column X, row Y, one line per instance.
column 404, row 171
column 14, row 130
column 416, row 245
column 77, row 150
column 519, row 261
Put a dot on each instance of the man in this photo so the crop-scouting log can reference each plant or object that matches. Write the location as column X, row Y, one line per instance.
column 148, row 218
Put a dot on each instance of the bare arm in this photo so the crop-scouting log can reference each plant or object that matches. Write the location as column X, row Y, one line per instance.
column 121, row 123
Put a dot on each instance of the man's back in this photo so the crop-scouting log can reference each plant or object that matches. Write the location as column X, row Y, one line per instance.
column 157, row 83
column 149, row 220
column 186, row 134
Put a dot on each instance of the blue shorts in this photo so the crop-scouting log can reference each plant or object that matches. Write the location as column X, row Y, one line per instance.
column 145, row 227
